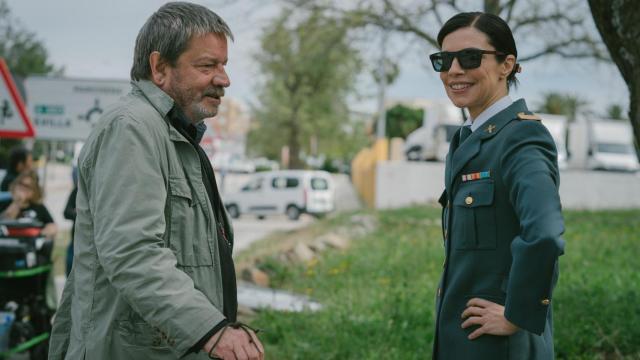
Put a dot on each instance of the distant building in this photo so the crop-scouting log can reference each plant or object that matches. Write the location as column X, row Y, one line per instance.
column 227, row 132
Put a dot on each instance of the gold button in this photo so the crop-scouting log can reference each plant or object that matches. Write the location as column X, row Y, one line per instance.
column 439, row 292
column 546, row 302
column 468, row 200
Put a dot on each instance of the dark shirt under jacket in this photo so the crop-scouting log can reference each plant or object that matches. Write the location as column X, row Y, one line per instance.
column 230, row 295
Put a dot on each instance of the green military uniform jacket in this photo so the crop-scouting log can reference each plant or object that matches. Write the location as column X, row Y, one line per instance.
column 502, row 225
column 146, row 281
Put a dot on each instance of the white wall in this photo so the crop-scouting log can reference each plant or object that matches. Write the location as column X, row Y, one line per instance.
column 401, row 184
column 578, row 145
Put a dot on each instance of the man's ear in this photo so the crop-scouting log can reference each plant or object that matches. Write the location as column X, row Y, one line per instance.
column 159, row 69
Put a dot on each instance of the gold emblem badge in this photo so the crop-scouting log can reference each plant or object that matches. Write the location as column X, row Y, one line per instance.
column 490, row 129
column 524, row 116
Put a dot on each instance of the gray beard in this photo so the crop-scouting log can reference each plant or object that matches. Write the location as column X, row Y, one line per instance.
column 200, row 113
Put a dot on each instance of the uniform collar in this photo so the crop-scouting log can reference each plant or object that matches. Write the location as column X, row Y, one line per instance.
column 489, row 112
column 467, row 150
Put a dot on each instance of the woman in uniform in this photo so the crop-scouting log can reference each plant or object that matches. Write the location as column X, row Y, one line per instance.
column 502, row 220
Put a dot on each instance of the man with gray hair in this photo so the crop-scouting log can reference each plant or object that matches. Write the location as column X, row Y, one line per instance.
column 153, row 276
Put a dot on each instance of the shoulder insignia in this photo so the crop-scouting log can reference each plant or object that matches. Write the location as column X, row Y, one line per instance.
column 525, row 116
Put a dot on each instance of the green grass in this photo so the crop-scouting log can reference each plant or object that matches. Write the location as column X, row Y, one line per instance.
column 379, row 294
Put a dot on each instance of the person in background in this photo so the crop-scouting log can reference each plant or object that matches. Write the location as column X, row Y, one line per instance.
column 502, row 219
column 70, row 214
column 26, row 202
column 20, row 160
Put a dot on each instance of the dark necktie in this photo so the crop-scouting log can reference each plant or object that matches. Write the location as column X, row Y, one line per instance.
column 465, row 131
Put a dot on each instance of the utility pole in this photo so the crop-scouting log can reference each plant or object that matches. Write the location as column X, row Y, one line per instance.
column 382, row 71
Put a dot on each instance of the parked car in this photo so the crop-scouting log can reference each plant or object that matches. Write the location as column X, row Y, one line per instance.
column 289, row 192
column 264, row 164
column 232, row 163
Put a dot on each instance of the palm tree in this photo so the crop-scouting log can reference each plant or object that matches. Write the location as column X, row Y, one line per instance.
column 562, row 104
column 615, row 112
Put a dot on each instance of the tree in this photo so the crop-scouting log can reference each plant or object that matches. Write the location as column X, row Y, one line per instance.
column 309, row 69
column 23, row 53
column 548, row 27
column 619, row 25
column 615, row 112
column 402, row 120
column 562, row 104
column 557, row 27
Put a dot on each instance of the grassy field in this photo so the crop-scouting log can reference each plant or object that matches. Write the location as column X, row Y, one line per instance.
column 379, row 294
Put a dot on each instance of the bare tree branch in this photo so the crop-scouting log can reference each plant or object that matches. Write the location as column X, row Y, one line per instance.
column 509, row 6
column 561, row 18
column 436, row 13
column 454, row 6
column 538, row 20
column 492, row 7
column 561, row 48
column 406, row 25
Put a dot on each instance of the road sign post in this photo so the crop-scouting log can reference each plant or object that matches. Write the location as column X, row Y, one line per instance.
column 67, row 109
column 14, row 122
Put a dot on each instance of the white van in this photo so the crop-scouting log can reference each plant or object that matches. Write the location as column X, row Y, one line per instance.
column 431, row 141
column 290, row 192
column 558, row 127
column 611, row 146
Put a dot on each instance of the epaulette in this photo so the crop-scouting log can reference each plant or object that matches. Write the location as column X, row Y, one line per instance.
column 530, row 116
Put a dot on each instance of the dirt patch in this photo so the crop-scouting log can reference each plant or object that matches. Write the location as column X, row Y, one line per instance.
column 304, row 245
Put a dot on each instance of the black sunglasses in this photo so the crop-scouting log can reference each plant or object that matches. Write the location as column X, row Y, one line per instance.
column 467, row 58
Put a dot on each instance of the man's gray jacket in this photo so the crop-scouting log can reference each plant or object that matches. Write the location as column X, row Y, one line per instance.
column 146, row 280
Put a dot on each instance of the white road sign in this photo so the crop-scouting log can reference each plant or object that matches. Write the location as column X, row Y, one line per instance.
column 67, row 109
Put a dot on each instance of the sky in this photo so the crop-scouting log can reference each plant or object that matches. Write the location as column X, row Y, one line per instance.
column 95, row 39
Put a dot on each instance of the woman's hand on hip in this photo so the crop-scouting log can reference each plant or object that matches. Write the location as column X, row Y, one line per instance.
column 489, row 316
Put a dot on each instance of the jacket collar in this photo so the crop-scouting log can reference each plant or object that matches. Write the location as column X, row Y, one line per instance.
column 179, row 120
column 161, row 101
column 459, row 156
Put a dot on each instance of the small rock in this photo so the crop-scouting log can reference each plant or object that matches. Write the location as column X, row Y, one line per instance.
column 245, row 311
column 318, row 246
column 336, row 241
column 367, row 221
column 302, row 253
column 256, row 276
column 283, row 258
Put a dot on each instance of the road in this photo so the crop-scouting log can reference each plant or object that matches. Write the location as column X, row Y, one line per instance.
column 247, row 229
